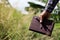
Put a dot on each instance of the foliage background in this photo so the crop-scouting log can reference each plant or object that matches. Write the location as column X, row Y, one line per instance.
column 15, row 26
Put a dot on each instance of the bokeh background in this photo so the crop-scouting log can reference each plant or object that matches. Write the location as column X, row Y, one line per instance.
column 16, row 16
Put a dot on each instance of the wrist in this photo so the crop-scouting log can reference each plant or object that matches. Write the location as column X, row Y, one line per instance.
column 45, row 12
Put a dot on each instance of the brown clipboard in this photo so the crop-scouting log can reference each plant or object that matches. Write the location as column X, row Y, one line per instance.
column 46, row 27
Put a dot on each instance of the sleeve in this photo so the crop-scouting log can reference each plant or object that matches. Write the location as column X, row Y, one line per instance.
column 51, row 5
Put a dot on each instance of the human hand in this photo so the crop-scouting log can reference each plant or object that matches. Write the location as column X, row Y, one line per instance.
column 43, row 15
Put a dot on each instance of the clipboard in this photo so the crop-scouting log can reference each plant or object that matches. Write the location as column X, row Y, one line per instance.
column 46, row 27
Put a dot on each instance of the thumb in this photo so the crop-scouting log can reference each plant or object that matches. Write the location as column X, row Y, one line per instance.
column 41, row 19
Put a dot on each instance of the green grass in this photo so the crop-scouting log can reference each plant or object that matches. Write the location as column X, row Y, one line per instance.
column 57, row 25
column 15, row 26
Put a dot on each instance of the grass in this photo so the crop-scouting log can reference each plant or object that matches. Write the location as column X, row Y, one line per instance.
column 57, row 25
column 15, row 26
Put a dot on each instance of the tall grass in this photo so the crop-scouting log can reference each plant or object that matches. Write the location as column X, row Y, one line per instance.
column 15, row 26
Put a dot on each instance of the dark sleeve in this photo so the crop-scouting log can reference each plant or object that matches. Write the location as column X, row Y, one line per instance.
column 51, row 5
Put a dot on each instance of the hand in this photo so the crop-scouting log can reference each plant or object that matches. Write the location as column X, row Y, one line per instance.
column 43, row 15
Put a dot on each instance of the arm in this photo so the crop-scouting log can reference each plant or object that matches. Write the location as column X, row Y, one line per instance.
column 51, row 5
column 48, row 9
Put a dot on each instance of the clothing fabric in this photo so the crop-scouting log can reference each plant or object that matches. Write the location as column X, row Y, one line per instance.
column 51, row 5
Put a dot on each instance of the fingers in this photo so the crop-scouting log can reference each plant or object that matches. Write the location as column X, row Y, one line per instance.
column 44, row 15
column 41, row 18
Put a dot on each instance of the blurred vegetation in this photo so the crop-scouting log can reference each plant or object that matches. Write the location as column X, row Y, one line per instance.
column 15, row 26
column 38, row 8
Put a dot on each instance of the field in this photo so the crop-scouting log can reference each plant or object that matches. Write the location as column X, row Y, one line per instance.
column 15, row 26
